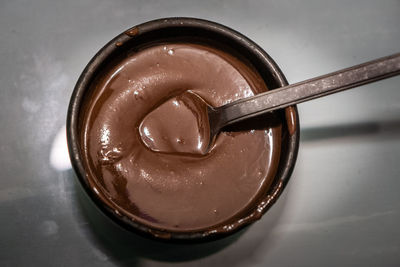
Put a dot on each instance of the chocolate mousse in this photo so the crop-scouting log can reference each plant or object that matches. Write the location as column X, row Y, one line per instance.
column 159, row 175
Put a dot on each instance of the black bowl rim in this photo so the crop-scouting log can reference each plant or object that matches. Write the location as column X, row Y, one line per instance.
column 84, row 81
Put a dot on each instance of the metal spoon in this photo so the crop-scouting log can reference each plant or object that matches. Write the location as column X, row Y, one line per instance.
column 246, row 108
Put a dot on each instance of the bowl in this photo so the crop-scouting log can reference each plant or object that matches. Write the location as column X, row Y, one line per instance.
column 199, row 31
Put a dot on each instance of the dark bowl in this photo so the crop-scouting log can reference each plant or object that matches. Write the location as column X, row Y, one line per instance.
column 195, row 30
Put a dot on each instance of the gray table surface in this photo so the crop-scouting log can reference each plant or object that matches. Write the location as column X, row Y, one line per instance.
column 342, row 205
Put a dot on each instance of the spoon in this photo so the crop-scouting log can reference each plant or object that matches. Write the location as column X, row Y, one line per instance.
column 341, row 80
column 202, row 122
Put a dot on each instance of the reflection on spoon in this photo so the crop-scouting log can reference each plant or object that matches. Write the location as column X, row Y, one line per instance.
column 180, row 125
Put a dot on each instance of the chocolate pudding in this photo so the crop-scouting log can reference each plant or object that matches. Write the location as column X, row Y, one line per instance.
column 143, row 144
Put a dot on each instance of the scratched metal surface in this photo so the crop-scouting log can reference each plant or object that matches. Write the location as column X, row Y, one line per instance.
column 342, row 205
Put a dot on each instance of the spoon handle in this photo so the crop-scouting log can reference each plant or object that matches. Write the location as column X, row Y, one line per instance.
column 310, row 89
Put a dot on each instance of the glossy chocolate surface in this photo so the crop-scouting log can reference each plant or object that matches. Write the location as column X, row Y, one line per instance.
column 179, row 189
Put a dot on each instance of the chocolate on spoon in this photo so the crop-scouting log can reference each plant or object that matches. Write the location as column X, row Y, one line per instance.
column 210, row 120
